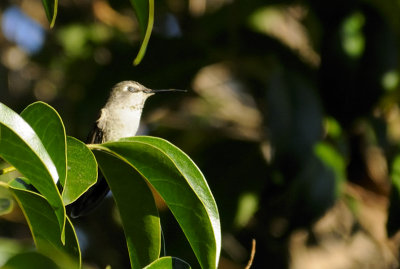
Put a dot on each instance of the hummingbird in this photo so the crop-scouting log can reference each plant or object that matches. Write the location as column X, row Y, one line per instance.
column 119, row 118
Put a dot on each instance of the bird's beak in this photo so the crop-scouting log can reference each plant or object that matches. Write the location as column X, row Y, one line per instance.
column 164, row 90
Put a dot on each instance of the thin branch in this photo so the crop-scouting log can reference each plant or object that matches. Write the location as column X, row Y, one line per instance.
column 252, row 254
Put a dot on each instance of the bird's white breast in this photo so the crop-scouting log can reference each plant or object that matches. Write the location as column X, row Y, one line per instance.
column 119, row 123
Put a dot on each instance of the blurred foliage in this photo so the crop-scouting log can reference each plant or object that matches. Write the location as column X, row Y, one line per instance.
column 292, row 114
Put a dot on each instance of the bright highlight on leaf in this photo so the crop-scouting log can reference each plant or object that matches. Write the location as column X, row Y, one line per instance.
column 39, row 115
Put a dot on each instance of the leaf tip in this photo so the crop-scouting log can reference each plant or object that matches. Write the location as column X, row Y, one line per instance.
column 136, row 61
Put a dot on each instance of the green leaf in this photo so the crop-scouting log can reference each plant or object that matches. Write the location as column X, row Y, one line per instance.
column 50, row 8
column 48, row 126
column 82, row 170
column 137, row 209
column 182, row 186
column 21, row 147
column 144, row 10
column 44, row 226
column 168, row 263
column 32, row 260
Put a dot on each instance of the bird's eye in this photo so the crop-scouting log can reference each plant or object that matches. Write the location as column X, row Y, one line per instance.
column 132, row 89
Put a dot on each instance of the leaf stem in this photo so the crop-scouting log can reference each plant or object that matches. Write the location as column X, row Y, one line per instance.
column 147, row 34
column 7, row 170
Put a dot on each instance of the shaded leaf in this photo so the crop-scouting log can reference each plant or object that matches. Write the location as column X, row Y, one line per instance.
column 137, row 208
column 49, row 127
column 182, row 186
column 44, row 226
column 50, row 8
column 82, row 170
column 22, row 148
column 168, row 263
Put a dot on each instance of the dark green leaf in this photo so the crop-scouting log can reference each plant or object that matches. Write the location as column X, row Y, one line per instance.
column 50, row 8
column 44, row 226
column 182, row 186
column 22, row 148
column 168, row 263
column 144, row 10
column 82, row 170
column 49, row 127
column 137, row 208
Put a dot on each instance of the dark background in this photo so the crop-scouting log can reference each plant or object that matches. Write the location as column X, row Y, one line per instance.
column 292, row 113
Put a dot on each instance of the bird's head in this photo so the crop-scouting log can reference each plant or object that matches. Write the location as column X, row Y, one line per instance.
column 132, row 93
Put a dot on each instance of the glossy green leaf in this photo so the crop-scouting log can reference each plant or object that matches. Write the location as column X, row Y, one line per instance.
column 6, row 202
column 137, row 209
column 168, row 263
column 48, row 126
column 44, row 226
column 82, row 170
column 31, row 260
column 22, row 148
column 144, row 10
column 182, row 186
column 50, row 8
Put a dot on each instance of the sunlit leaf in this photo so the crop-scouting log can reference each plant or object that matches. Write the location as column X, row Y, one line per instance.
column 22, row 148
column 49, row 127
